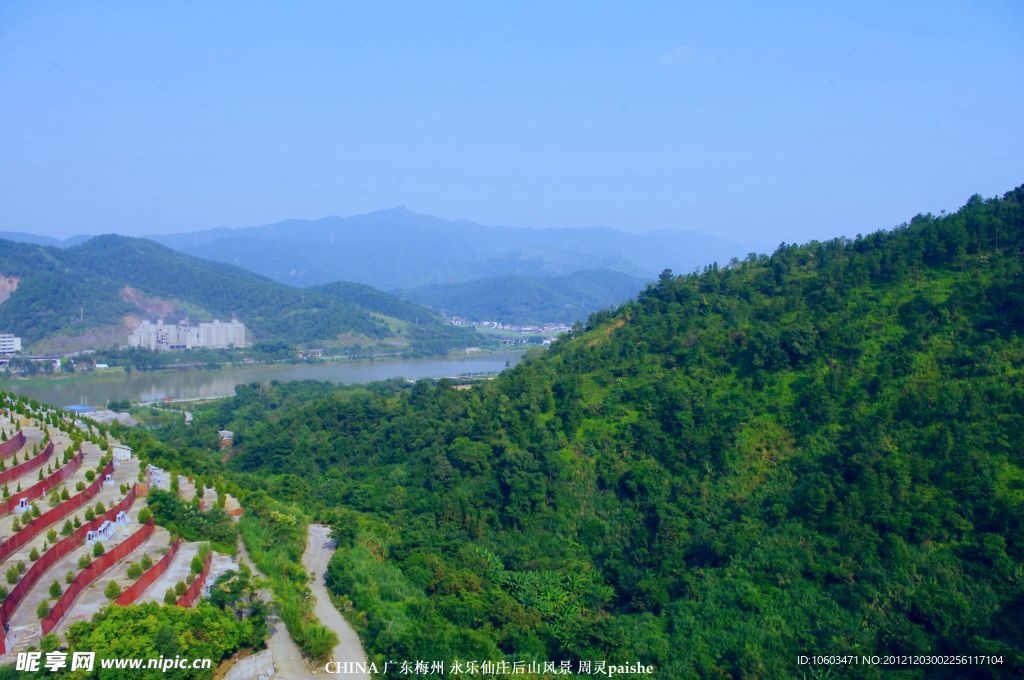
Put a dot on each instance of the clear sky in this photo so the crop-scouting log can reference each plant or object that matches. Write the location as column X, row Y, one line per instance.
column 758, row 121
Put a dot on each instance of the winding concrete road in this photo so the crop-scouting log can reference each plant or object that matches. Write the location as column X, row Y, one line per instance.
column 319, row 549
column 288, row 659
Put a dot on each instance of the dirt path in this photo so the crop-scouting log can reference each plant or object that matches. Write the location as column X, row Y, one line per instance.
column 288, row 660
column 319, row 549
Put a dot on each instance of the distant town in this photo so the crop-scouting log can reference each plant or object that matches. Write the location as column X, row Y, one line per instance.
column 157, row 336
column 516, row 334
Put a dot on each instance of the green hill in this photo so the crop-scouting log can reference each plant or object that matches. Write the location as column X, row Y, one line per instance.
column 90, row 295
column 529, row 299
column 816, row 452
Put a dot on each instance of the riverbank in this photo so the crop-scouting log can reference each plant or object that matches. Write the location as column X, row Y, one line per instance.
column 100, row 387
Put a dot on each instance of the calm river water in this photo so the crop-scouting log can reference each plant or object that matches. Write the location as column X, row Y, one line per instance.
column 96, row 389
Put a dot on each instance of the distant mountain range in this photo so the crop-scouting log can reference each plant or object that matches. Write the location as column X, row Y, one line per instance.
column 529, row 299
column 392, row 249
column 90, row 295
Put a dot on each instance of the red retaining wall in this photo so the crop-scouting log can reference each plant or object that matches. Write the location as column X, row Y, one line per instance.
column 60, row 550
column 8, row 447
column 93, row 572
column 36, row 526
column 196, row 587
column 136, row 589
column 39, row 488
column 28, row 466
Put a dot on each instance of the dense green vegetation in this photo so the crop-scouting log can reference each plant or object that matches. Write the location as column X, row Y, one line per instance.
column 275, row 536
column 817, row 451
column 78, row 290
column 188, row 521
column 529, row 299
column 151, row 631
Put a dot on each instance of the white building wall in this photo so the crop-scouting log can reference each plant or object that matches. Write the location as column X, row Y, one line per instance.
column 160, row 336
column 9, row 343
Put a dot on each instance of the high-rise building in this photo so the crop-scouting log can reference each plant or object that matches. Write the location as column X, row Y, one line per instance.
column 183, row 335
column 9, row 344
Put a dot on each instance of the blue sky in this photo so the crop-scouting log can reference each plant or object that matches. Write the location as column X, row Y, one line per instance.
column 754, row 121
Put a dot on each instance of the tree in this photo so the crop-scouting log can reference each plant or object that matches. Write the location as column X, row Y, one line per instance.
column 112, row 590
column 67, row 529
column 145, row 514
column 170, row 596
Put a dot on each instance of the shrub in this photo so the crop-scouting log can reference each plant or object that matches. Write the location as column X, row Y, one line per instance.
column 55, row 590
column 145, row 514
column 90, row 475
column 43, row 609
column 80, row 486
column 89, row 515
column 197, row 564
column 67, row 529
column 84, row 561
column 147, row 561
column 69, row 577
column 97, row 549
column 33, row 554
column 51, row 536
column 112, row 590
column 180, row 588
column 134, row 570
column 170, row 597
column 12, row 575
column 49, row 643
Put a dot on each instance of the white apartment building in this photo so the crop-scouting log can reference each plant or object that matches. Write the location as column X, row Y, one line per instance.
column 9, row 344
column 183, row 335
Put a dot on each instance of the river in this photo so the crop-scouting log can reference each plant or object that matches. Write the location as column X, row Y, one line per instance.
column 98, row 388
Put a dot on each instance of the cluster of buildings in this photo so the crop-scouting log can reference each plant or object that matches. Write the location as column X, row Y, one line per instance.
column 183, row 335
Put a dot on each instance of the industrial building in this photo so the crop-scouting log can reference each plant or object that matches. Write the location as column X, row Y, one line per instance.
column 183, row 335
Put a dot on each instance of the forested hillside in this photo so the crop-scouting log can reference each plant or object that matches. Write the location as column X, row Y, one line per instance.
column 91, row 293
column 817, row 451
column 528, row 299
